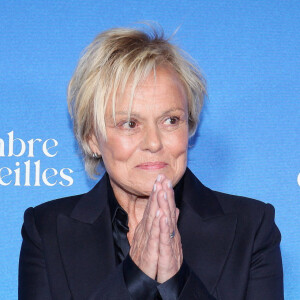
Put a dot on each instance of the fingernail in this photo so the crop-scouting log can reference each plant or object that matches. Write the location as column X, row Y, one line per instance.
column 169, row 184
column 165, row 195
column 166, row 219
column 154, row 187
column 157, row 213
column 158, row 178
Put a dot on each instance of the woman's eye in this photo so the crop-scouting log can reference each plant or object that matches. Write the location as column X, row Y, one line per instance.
column 129, row 125
column 172, row 121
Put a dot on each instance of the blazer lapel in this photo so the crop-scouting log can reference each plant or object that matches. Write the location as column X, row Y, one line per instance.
column 86, row 243
column 206, row 232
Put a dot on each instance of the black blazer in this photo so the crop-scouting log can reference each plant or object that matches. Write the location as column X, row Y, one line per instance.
column 230, row 243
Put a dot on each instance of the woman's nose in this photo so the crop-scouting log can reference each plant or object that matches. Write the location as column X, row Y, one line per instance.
column 152, row 140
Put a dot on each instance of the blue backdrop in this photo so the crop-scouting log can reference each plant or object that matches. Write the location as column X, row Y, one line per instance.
column 248, row 143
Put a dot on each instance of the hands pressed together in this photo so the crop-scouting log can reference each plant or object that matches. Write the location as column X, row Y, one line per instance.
column 156, row 246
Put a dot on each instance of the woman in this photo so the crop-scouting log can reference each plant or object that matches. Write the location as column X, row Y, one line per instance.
column 149, row 229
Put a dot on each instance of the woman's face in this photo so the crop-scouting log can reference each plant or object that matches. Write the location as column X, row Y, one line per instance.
column 153, row 141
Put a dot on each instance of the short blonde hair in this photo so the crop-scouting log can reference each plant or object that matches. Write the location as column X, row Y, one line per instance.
column 105, row 67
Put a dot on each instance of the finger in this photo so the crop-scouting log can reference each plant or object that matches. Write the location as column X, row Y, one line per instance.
column 149, row 214
column 153, row 240
column 163, row 203
column 177, row 214
column 152, row 204
column 166, row 267
column 177, row 247
column 165, row 247
column 170, row 250
column 146, row 211
column 135, row 246
column 145, row 248
column 159, row 178
column 167, row 185
column 150, row 253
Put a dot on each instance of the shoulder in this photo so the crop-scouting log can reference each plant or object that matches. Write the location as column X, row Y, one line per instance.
column 45, row 215
column 234, row 203
column 248, row 210
column 84, row 207
column 66, row 205
column 62, row 205
column 208, row 203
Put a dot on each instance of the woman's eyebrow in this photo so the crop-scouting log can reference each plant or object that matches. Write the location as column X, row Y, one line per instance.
column 173, row 110
column 124, row 113
column 134, row 114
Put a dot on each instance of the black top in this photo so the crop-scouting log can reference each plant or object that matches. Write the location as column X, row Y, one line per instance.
column 141, row 286
column 230, row 243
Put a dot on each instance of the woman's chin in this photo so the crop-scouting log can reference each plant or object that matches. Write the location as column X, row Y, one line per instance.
column 145, row 192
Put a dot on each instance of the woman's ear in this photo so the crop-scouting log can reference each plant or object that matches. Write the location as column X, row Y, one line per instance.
column 93, row 144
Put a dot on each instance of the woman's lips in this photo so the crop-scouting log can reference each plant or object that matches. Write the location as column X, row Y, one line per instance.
column 152, row 165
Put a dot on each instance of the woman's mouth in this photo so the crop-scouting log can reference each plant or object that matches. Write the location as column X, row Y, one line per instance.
column 152, row 165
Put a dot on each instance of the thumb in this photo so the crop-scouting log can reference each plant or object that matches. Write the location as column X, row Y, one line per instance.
column 177, row 214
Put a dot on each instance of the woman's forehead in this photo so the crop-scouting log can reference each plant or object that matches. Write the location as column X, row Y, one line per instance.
column 162, row 90
column 158, row 97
